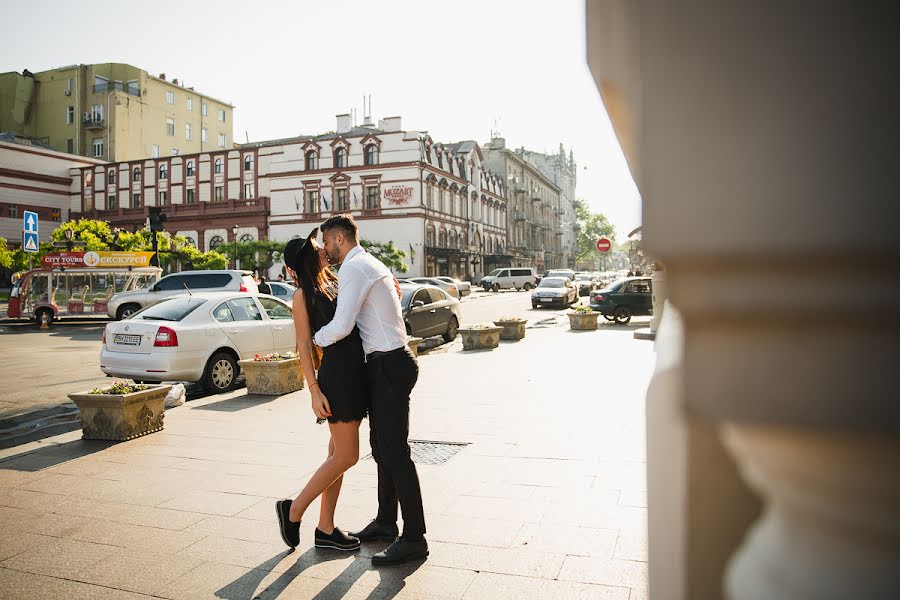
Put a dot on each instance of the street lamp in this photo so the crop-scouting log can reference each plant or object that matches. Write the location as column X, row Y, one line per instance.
column 234, row 232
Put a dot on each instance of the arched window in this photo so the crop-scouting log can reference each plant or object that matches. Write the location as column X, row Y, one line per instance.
column 111, row 177
column 371, row 154
column 247, row 238
column 248, row 162
column 215, row 242
column 136, row 174
column 218, row 165
column 452, row 240
column 189, row 168
column 312, row 160
column 340, row 158
column 188, row 240
column 442, row 239
column 429, row 236
column 164, row 171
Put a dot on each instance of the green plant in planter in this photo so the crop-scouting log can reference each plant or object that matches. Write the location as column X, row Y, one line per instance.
column 274, row 356
column 120, row 388
column 480, row 326
column 583, row 310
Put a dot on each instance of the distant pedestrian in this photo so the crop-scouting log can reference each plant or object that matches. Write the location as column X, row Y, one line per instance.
column 264, row 288
column 281, row 277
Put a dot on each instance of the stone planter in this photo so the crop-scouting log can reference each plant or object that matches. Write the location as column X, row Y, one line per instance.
column 120, row 417
column 480, row 339
column 583, row 321
column 272, row 377
column 512, row 330
column 413, row 343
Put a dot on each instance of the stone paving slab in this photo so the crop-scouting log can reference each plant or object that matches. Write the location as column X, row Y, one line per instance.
column 547, row 501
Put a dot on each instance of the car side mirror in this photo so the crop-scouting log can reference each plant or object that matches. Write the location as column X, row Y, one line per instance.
column 417, row 303
column 155, row 288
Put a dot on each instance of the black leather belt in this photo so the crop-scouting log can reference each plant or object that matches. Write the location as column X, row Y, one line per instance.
column 378, row 354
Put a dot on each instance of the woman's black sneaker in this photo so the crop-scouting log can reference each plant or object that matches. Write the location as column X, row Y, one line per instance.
column 338, row 540
column 290, row 531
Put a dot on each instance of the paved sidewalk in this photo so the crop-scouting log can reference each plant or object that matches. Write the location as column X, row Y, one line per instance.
column 548, row 500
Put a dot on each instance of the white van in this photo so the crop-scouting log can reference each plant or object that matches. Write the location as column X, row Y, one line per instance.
column 520, row 278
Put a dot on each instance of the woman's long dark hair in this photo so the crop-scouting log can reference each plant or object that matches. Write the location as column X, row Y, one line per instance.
column 311, row 278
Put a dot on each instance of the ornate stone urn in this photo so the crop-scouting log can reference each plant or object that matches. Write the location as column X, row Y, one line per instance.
column 513, row 329
column 272, row 377
column 480, row 337
column 583, row 320
column 121, row 417
column 413, row 343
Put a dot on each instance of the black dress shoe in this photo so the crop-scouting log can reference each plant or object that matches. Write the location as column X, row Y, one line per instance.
column 377, row 532
column 401, row 551
column 337, row 540
column 290, row 531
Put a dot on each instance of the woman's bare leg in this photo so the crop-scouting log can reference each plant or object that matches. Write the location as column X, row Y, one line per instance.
column 345, row 437
column 329, row 499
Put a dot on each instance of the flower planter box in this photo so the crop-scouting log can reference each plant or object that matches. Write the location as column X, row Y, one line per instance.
column 480, row 339
column 583, row 321
column 272, row 377
column 121, row 417
column 512, row 329
column 413, row 343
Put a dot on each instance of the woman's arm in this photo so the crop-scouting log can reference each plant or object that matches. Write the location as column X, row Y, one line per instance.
column 303, row 335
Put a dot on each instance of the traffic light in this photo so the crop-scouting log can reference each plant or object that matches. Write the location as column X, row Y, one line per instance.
column 156, row 219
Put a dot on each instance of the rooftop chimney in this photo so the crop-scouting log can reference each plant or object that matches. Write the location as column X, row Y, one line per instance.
column 391, row 124
column 343, row 123
column 162, row 76
column 498, row 143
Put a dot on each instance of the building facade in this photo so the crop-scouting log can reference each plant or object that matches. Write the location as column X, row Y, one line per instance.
column 113, row 112
column 537, row 226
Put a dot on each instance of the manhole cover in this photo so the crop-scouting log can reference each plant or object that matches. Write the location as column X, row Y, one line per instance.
column 432, row 453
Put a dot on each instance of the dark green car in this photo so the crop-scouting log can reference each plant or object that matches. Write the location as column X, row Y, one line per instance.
column 623, row 299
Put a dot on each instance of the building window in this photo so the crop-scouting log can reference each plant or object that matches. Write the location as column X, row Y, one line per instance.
column 188, row 132
column 442, row 239
column 312, row 161
column 248, row 191
column 163, row 199
column 174, row 151
column 69, row 86
column 221, row 140
column 154, row 151
column 189, row 168
column 218, row 165
column 371, row 197
column 189, row 196
column 429, row 237
column 220, row 193
column 312, row 201
column 170, row 97
column 111, row 202
column 136, row 200
column 215, row 242
column 136, row 174
column 190, row 103
column 98, row 147
column 70, row 146
column 189, row 241
column 111, row 177
column 204, row 109
column 170, row 126
column 204, row 135
column 13, row 211
column 221, row 115
column 96, row 115
column 164, row 171
column 340, row 200
column 371, row 155
column 428, row 155
column 70, row 115
column 247, row 238
column 340, row 158
column 248, row 162
column 429, row 197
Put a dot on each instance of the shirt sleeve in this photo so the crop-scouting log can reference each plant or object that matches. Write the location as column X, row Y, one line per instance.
column 353, row 287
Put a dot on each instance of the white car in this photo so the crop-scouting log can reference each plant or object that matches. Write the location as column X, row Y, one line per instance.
column 198, row 337
column 437, row 282
column 464, row 287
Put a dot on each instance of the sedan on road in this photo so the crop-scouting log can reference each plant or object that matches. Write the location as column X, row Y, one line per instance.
column 554, row 291
column 197, row 338
column 429, row 311
column 624, row 298
column 464, row 287
column 586, row 283
column 447, row 287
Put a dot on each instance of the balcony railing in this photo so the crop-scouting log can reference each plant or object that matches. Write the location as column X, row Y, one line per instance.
column 93, row 121
column 118, row 86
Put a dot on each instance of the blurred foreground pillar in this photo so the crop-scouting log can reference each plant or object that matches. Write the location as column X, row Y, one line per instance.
column 762, row 136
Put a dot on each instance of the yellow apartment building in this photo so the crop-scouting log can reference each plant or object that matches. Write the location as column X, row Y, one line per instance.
column 114, row 112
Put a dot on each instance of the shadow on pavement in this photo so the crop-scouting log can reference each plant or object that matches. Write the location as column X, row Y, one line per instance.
column 237, row 403
column 55, row 455
column 78, row 332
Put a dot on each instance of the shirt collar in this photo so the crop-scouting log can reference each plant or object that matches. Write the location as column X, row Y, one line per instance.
column 353, row 252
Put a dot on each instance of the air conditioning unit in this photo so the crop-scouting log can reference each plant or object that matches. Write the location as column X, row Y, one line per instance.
column 68, row 92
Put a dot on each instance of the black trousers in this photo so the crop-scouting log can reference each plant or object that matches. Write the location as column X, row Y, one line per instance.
column 392, row 377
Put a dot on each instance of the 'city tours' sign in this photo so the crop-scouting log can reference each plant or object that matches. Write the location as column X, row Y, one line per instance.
column 398, row 194
column 97, row 260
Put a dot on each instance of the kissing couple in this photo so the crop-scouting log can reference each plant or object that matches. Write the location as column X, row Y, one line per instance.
column 356, row 323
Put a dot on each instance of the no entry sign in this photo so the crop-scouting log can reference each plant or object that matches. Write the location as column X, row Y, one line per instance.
column 604, row 244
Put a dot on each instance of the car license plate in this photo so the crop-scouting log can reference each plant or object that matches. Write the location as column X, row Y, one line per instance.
column 127, row 340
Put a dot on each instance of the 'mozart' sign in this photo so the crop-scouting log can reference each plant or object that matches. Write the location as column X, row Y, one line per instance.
column 398, row 194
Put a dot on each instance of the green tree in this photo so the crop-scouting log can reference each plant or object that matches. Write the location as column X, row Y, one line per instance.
column 256, row 255
column 592, row 227
column 6, row 255
column 392, row 257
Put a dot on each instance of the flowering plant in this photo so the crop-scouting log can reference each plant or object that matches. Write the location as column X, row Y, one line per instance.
column 510, row 320
column 481, row 326
column 274, row 356
column 583, row 310
column 120, row 387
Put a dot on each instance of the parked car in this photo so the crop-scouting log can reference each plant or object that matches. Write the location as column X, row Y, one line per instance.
column 123, row 305
column 197, row 337
column 429, row 311
column 437, row 282
column 282, row 291
column 554, row 291
column 586, row 283
column 519, row 278
column 624, row 298
column 567, row 273
column 464, row 287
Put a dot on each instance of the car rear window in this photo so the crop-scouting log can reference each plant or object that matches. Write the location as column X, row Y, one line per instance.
column 207, row 281
column 551, row 283
column 174, row 309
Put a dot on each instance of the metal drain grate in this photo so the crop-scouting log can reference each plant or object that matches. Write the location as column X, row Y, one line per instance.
column 426, row 452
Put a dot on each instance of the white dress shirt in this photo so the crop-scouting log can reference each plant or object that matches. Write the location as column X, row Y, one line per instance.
column 366, row 298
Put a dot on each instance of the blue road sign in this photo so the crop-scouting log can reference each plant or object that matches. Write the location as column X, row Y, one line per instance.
column 30, row 222
column 30, row 242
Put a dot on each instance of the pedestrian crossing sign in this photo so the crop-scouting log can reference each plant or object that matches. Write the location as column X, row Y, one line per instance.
column 31, row 242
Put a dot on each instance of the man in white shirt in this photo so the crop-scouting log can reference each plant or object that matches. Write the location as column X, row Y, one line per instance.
column 368, row 299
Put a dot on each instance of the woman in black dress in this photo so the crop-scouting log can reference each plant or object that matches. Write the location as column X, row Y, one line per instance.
column 338, row 391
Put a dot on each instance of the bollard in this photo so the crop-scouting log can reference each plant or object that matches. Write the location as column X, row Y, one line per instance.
column 45, row 320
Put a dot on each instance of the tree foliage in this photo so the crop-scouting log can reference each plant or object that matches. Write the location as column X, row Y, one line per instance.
column 592, row 227
column 392, row 257
column 6, row 255
column 256, row 255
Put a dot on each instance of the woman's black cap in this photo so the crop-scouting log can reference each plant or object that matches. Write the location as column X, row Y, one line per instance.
column 293, row 250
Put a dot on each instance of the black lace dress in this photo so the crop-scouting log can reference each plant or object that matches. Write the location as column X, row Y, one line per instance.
column 342, row 375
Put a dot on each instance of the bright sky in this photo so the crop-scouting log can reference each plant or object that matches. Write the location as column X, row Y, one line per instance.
column 450, row 68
